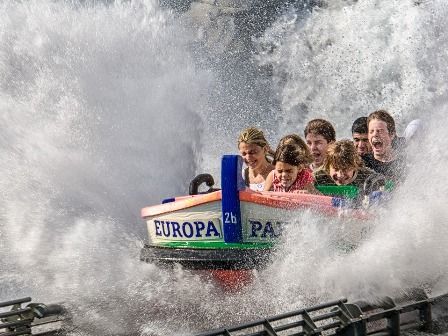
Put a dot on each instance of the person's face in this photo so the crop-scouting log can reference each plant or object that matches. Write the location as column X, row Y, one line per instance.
column 253, row 155
column 361, row 141
column 379, row 138
column 342, row 176
column 287, row 173
column 318, row 147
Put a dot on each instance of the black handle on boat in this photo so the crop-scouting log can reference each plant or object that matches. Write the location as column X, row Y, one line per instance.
column 198, row 180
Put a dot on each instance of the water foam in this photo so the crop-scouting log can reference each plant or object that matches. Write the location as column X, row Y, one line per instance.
column 100, row 116
column 105, row 111
column 349, row 59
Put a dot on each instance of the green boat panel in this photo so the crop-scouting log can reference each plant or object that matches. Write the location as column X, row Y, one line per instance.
column 389, row 186
column 347, row 191
column 216, row 245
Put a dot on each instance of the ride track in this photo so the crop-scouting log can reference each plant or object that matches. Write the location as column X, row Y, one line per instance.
column 414, row 311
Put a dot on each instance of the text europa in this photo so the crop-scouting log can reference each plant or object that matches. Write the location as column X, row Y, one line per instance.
column 196, row 229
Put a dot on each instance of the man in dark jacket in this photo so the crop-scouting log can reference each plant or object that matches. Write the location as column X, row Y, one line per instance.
column 384, row 159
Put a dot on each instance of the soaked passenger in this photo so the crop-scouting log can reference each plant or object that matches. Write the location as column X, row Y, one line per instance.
column 343, row 166
column 291, row 173
column 384, row 159
column 360, row 136
column 257, row 155
column 319, row 133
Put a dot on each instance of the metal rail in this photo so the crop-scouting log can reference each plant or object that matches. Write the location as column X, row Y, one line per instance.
column 340, row 318
column 33, row 319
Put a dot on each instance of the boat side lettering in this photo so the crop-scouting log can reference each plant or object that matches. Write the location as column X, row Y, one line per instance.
column 229, row 218
column 193, row 229
column 270, row 229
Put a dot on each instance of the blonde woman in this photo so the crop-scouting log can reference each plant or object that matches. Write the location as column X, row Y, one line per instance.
column 256, row 153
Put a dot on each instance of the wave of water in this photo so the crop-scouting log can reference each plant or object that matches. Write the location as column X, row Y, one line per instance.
column 346, row 60
column 101, row 106
column 107, row 107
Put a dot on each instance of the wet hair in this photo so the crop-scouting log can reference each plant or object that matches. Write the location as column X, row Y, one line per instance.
column 296, row 140
column 360, row 126
column 342, row 155
column 255, row 136
column 293, row 155
column 321, row 127
column 383, row 116
column 293, row 139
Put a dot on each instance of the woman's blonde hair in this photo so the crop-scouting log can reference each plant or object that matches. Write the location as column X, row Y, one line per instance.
column 255, row 136
column 342, row 155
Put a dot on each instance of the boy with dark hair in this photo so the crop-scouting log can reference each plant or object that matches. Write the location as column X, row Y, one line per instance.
column 384, row 159
column 319, row 133
column 360, row 136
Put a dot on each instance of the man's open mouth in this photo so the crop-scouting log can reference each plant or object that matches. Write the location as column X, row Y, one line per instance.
column 377, row 143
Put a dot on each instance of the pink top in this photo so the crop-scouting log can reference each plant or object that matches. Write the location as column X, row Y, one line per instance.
column 304, row 177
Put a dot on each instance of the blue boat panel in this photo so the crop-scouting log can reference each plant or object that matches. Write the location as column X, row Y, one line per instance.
column 231, row 183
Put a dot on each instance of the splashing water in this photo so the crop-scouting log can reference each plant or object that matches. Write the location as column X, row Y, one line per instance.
column 346, row 60
column 105, row 109
column 99, row 103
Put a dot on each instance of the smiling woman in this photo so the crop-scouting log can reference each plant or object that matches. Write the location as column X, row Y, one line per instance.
column 255, row 151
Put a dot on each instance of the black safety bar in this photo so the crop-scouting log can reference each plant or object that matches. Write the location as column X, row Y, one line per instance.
column 20, row 320
column 340, row 318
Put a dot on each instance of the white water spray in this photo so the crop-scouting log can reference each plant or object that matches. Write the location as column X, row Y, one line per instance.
column 101, row 109
column 104, row 111
column 344, row 61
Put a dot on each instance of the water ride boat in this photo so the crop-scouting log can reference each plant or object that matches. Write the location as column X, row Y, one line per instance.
column 234, row 228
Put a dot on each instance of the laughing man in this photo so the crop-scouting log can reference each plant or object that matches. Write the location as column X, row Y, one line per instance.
column 384, row 159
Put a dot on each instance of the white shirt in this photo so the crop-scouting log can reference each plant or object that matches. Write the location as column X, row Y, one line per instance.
column 257, row 186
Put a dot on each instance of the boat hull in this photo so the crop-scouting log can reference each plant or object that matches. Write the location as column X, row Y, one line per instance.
column 235, row 228
column 207, row 258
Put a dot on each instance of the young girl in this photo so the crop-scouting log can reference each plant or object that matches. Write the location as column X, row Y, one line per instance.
column 291, row 173
column 254, row 149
